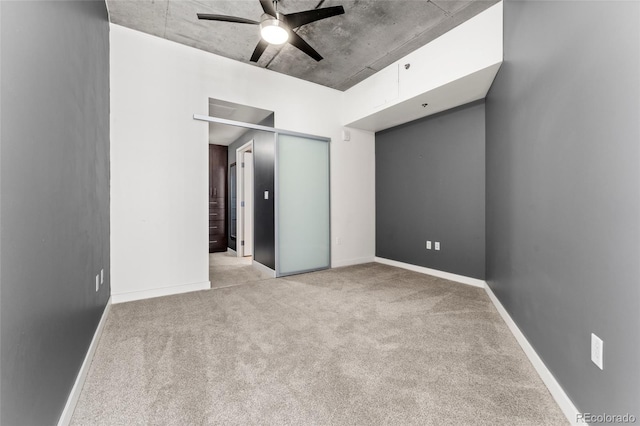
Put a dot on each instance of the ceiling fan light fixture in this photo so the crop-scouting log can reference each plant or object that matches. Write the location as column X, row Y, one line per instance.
column 276, row 28
column 273, row 31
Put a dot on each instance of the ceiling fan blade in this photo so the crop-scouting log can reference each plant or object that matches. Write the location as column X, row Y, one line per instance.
column 294, row 20
column 298, row 42
column 225, row 18
column 259, row 50
column 267, row 6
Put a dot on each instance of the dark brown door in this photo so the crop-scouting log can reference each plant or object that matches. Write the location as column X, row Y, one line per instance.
column 217, row 198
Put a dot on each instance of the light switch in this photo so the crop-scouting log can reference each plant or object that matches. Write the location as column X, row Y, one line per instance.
column 266, row 195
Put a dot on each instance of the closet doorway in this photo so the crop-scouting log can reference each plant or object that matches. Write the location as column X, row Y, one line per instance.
column 244, row 200
column 291, row 198
column 232, row 264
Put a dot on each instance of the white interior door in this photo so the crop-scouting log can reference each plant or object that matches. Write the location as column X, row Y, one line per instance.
column 247, row 210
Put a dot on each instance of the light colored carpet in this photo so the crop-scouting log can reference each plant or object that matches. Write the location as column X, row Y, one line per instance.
column 226, row 269
column 361, row 345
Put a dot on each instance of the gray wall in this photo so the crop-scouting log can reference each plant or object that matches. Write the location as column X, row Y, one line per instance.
column 430, row 186
column 54, row 197
column 264, row 172
column 563, row 191
column 247, row 136
column 264, row 235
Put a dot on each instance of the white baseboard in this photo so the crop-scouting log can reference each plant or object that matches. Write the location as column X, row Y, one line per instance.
column 264, row 270
column 72, row 400
column 356, row 261
column 562, row 399
column 434, row 272
column 159, row 292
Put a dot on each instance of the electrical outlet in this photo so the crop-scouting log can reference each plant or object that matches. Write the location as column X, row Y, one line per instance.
column 97, row 282
column 338, row 241
column 437, row 245
column 597, row 350
column 102, row 276
column 428, row 245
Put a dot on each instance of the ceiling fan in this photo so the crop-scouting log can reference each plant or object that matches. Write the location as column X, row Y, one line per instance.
column 277, row 28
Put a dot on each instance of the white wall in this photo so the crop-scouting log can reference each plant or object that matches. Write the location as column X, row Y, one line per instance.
column 454, row 69
column 159, row 159
column 353, row 198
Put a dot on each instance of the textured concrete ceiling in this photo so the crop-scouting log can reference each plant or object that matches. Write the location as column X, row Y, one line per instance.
column 368, row 37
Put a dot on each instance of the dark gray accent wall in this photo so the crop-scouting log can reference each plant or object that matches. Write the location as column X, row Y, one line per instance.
column 54, row 199
column 247, row 136
column 563, row 192
column 264, row 242
column 430, row 180
column 264, row 173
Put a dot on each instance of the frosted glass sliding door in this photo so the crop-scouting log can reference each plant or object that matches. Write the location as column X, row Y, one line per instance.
column 302, row 205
